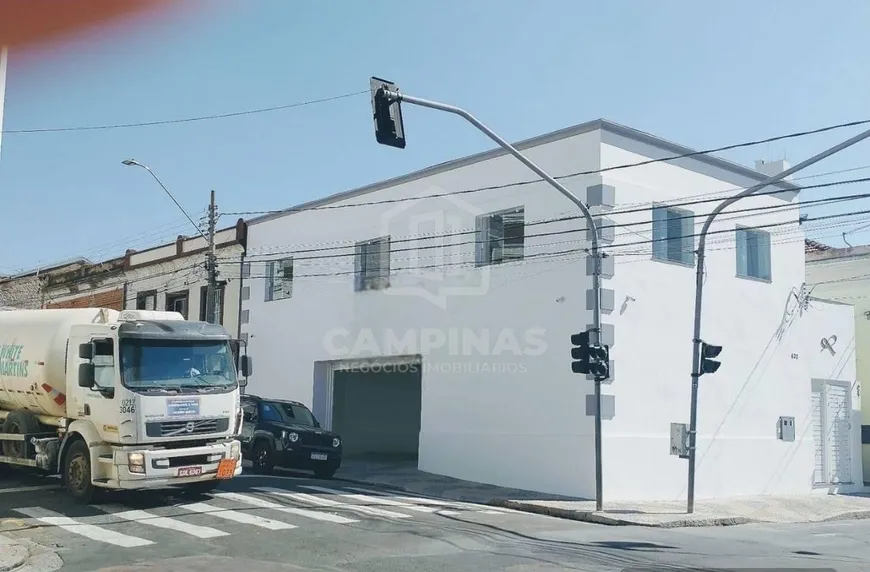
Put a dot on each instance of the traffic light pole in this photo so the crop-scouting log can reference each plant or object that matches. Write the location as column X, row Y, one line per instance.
column 394, row 95
column 699, row 287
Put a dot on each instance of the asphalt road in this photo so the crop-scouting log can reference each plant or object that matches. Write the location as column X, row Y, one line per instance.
column 260, row 524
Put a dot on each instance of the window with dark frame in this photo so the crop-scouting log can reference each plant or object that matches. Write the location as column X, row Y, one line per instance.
column 146, row 300
column 219, row 301
column 500, row 237
column 178, row 302
column 673, row 235
column 372, row 264
column 279, row 279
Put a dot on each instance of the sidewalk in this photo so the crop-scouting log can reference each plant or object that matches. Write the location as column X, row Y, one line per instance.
column 26, row 556
column 770, row 509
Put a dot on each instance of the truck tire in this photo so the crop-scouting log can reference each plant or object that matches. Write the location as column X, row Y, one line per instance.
column 77, row 472
column 18, row 423
column 262, row 458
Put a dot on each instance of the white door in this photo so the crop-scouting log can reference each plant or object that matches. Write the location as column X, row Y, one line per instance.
column 832, row 433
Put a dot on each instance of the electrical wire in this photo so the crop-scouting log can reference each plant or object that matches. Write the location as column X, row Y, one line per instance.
column 570, row 175
column 571, row 218
column 184, row 119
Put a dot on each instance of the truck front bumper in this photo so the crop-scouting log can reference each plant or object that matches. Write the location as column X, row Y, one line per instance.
column 157, row 468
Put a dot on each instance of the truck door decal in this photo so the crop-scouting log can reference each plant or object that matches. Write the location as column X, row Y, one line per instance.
column 128, row 406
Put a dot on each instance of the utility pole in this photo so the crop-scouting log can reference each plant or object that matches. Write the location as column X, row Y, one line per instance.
column 390, row 131
column 702, row 353
column 211, row 265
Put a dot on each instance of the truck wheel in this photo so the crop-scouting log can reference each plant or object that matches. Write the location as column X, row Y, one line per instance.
column 261, row 458
column 77, row 472
column 18, row 423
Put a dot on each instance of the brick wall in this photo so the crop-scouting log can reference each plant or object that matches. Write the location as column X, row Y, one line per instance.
column 113, row 299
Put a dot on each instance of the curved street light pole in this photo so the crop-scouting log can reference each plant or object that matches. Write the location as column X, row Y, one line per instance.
column 699, row 287
column 395, row 95
column 211, row 261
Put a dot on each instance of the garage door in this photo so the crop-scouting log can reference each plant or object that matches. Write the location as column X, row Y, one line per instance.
column 832, row 433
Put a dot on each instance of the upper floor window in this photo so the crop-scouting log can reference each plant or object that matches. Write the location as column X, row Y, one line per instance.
column 146, row 300
column 372, row 264
column 753, row 253
column 279, row 279
column 673, row 235
column 500, row 237
column 177, row 302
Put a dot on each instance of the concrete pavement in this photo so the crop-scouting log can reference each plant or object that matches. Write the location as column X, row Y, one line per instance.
column 750, row 509
column 281, row 524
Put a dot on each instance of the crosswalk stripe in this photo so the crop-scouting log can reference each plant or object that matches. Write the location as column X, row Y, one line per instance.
column 145, row 517
column 235, row 516
column 371, row 499
column 261, row 503
column 87, row 530
column 28, row 489
column 311, row 499
column 436, row 502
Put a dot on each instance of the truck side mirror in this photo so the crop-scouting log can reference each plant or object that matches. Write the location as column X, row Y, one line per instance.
column 247, row 366
column 86, row 351
column 87, row 375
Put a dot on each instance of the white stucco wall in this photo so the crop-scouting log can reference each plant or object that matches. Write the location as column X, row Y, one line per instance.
column 843, row 275
column 522, row 422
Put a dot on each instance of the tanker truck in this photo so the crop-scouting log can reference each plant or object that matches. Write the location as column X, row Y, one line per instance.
column 126, row 400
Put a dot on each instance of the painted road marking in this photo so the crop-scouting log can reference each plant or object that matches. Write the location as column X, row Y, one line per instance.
column 87, row 530
column 311, row 499
column 261, row 503
column 235, row 516
column 145, row 517
column 436, row 502
column 28, row 489
column 371, row 499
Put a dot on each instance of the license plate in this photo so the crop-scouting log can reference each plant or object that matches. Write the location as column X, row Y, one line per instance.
column 319, row 456
column 226, row 469
column 189, row 471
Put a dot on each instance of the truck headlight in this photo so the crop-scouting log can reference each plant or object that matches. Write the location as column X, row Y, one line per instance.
column 235, row 450
column 336, row 442
column 291, row 436
column 136, row 462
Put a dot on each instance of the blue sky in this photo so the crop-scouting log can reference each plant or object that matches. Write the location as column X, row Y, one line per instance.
column 702, row 74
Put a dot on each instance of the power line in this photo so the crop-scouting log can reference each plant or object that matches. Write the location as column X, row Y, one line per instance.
column 572, row 251
column 568, row 176
column 185, row 119
column 602, row 227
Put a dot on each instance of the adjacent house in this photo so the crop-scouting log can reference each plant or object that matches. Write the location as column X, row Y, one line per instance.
column 167, row 277
column 843, row 274
column 428, row 317
column 25, row 290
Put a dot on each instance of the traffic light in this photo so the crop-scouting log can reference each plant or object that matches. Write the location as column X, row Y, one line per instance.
column 588, row 358
column 389, row 127
column 708, row 354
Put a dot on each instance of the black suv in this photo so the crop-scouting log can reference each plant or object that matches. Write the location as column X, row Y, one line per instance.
column 285, row 433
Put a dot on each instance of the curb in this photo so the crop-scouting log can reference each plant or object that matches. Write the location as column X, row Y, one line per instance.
column 606, row 520
column 593, row 517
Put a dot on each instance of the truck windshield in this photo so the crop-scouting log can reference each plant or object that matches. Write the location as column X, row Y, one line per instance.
column 160, row 364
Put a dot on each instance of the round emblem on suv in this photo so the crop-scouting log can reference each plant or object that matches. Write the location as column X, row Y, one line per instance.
column 190, row 426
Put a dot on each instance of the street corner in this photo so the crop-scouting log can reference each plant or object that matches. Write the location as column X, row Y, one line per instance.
column 25, row 554
column 434, row 238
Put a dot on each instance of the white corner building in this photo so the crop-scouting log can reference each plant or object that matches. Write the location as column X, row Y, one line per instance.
column 429, row 317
